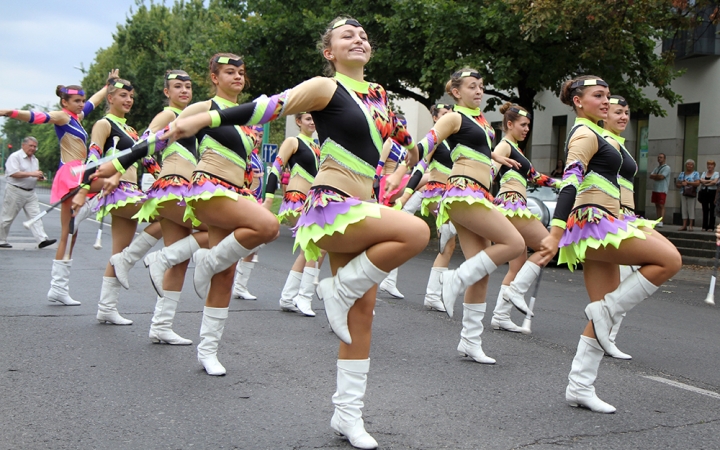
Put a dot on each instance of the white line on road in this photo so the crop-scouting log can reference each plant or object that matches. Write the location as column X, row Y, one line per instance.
column 687, row 387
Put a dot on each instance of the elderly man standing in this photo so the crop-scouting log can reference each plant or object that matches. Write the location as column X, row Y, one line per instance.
column 661, row 182
column 22, row 173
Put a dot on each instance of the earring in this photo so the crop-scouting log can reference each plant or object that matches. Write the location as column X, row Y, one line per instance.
column 579, row 106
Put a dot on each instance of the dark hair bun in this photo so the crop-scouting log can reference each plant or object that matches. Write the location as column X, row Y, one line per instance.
column 58, row 90
column 505, row 107
column 566, row 93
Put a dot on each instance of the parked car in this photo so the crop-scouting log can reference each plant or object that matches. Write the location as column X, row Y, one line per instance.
column 541, row 200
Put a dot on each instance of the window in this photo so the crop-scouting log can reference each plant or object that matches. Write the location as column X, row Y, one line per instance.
column 497, row 126
column 559, row 137
column 690, row 114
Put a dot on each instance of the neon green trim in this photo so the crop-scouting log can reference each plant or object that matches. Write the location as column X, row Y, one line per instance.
column 511, row 143
column 558, row 223
column 180, row 150
column 595, row 180
column 342, row 156
column 355, row 85
column 114, row 118
column 214, row 118
column 590, row 124
column 434, row 165
column 473, row 112
column 269, row 195
column 223, row 102
column 116, row 164
column 461, row 151
column 575, row 253
column 208, row 143
column 350, row 88
column 443, row 214
column 520, row 213
column 310, row 143
column 173, row 109
column 607, row 133
column 511, row 174
column 408, row 191
column 302, row 173
column 105, row 210
column 626, row 184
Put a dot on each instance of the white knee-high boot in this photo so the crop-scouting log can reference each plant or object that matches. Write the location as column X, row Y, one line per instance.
column 107, row 306
column 242, row 276
column 290, row 291
column 470, row 272
column 348, row 400
column 515, row 293
column 605, row 313
column 215, row 260
column 341, row 291
column 413, row 203
column 211, row 330
column 470, row 340
column 389, row 284
column 447, row 232
column 160, row 261
column 615, row 352
column 125, row 260
column 501, row 314
column 434, row 290
column 303, row 300
column 581, row 390
column 59, row 283
column 161, row 328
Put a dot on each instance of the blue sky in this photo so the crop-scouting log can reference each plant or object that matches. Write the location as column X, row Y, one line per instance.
column 41, row 41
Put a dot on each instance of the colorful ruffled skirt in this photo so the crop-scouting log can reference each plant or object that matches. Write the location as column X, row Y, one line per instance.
column 592, row 227
column 292, row 205
column 462, row 189
column 638, row 221
column 513, row 204
column 206, row 186
column 325, row 213
column 432, row 195
column 126, row 193
column 64, row 181
column 170, row 188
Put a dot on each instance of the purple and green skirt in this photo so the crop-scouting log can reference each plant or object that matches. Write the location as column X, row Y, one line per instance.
column 513, row 204
column 206, row 186
column 170, row 188
column 292, row 205
column 592, row 227
column 431, row 196
column 325, row 213
column 126, row 193
column 466, row 190
column 638, row 221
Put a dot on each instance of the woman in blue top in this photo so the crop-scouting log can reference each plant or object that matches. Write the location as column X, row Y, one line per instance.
column 687, row 182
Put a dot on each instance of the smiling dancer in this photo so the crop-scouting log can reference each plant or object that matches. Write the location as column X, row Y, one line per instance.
column 122, row 197
column 588, row 228
column 364, row 240
column 73, row 151
column 468, row 204
column 511, row 200
column 301, row 155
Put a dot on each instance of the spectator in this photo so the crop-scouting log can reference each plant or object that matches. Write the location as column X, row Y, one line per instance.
column 688, row 182
column 661, row 178
column 559, row 169
column 21, row 171
column 706, row 195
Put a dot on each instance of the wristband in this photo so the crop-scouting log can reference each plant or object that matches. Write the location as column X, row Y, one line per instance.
column 379, row 169
column 269, row 196
column 408, row 191
column 214, row 118
column 14, row 113
column 558, row 223
column 117, row 165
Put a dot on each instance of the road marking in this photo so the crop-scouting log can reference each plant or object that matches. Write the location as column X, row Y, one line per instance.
column 687, row 387
column 56, row 209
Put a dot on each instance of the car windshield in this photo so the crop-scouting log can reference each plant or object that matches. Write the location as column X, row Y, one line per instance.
column 544, row 193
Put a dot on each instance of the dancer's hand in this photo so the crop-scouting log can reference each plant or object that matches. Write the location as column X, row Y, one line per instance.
column 113, row 75
column 413, row 156
column 5, row 112
column 111, row 183
column 187, row 126
column 78, row 201
column 717, row 235
column 505, row 161
column 392, row 181
column 105, row 170
column 549, row 246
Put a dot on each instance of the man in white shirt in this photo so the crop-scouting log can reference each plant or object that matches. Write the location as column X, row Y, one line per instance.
column 22, row 173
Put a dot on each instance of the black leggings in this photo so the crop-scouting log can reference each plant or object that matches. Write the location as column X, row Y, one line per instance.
column 708, row 209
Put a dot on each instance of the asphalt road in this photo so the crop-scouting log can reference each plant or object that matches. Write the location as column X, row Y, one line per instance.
column 68, row 382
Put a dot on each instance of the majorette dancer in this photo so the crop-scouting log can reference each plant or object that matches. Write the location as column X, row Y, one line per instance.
column 73, row 151
column 364, row 239
column 588, row 228
column 511, row 199
column 301, row 155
